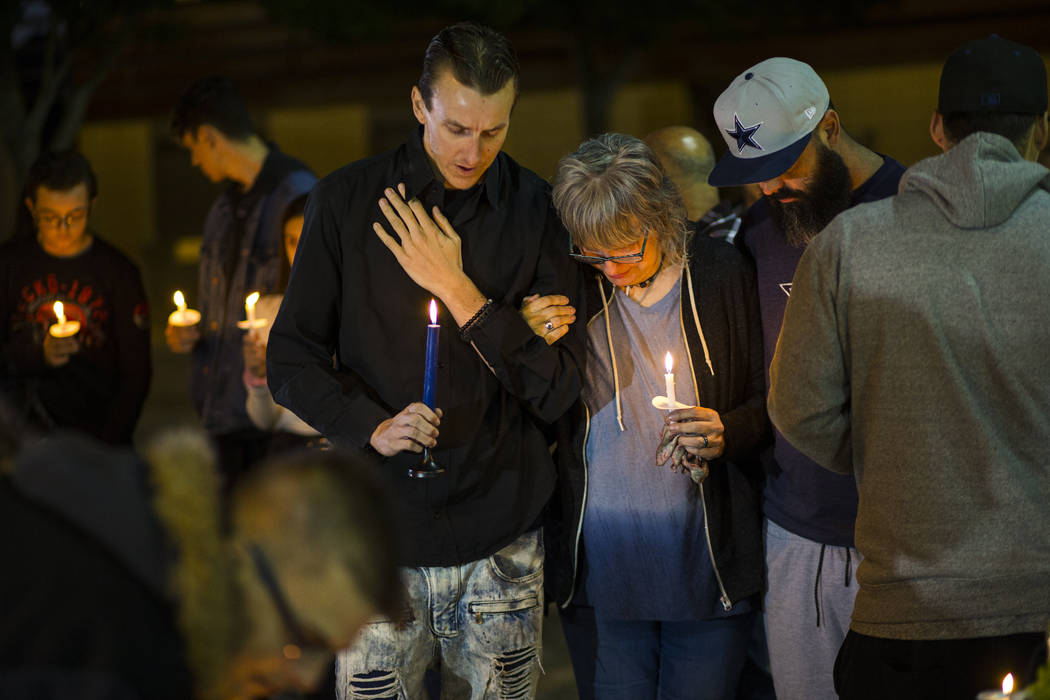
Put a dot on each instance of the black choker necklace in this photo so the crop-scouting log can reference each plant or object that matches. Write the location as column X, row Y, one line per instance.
column 646, row 283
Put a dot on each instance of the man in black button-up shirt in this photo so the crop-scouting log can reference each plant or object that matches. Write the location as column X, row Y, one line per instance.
column 447, row 216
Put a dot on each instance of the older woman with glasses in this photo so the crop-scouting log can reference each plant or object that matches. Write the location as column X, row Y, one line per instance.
column 657, row 569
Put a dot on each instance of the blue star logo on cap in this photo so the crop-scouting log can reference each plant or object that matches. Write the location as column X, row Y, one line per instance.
column 744, row 135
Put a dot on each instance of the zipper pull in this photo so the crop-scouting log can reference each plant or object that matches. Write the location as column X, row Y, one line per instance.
column 727, row 604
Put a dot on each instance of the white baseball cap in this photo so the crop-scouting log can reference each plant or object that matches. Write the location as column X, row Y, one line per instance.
column 767, row 116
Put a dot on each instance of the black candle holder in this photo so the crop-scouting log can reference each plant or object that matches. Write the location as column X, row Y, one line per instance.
column 427, row 468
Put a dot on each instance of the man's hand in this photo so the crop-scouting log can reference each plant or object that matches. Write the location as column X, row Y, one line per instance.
column 430, row 248
column 57, row 351
column 549, row 317
column 700, row 431
column 429, row 253
column 254, row 355
column 181, row 339
column 411, row 430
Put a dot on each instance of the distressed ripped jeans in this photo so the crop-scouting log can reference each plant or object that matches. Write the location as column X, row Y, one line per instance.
column 479, row 622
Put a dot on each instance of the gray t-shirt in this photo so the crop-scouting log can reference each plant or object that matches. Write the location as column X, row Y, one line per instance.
column 643, row 526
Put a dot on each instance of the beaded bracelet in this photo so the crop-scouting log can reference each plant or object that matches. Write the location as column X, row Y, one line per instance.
column 475, row 320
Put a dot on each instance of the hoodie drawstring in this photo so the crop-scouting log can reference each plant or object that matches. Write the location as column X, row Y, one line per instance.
column 820, row 568
column 816, row 583
column 696, row 320
column 612, row 355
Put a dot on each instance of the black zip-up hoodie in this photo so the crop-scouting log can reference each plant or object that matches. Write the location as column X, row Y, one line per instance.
column 731, row 379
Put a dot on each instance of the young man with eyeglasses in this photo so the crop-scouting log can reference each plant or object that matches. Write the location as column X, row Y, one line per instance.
column 96, row 379
column 658, row 573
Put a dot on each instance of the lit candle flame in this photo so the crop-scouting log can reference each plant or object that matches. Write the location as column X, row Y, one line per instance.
column 60, row 312
column 1008, row 684
column 668, row 362
column 180, row 301
column 433, row 312
column 249, row 303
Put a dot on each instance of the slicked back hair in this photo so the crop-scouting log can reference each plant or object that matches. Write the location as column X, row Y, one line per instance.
column 214, row 101
column 479, row 57
column 61, row 171
column 612, row 190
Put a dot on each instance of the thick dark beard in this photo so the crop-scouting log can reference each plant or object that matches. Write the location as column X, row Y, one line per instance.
column 826, row 196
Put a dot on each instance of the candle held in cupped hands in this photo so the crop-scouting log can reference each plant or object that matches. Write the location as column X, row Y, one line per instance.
column 64, row 328
column 181, row 316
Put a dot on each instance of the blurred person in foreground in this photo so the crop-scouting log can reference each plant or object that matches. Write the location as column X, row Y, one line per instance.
column 96, row 379
column 784, row 134
column 914, row 357
column 126, row 588
column 659, row 561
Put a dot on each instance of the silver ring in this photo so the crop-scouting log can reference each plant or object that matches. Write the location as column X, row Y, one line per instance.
column 549, row 326
column 705, row 440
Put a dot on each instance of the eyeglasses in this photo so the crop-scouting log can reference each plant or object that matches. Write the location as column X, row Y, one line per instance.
column 301, row 637
column 49, row 220
column 599, row 260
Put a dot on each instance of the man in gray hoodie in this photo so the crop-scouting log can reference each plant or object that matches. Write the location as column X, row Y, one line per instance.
column 914, row 355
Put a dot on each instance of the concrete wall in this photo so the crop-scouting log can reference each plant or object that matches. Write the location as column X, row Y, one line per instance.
column 122, row 155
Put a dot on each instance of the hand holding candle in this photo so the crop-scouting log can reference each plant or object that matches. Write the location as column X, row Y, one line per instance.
column 182, row 333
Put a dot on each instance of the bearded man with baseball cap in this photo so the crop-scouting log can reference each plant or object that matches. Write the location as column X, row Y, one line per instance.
column 784, row 134
column 914, row 357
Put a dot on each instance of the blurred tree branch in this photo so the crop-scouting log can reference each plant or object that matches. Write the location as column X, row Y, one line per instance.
column 53, row 56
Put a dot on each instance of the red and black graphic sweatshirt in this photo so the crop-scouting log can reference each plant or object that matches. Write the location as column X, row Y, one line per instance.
column 102, row 388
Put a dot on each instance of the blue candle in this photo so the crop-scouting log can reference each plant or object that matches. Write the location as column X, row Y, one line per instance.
column 432, row 356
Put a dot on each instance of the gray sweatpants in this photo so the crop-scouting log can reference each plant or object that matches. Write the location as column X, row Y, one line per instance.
column 808, row 608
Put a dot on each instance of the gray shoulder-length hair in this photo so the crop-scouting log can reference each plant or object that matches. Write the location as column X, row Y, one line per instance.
column 611, row 190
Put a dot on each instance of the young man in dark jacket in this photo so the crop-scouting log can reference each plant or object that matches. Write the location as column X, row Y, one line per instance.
column 241, row 252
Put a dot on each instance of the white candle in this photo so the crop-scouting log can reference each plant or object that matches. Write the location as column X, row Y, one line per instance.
column 182, row 316
column 249, row 307
column 64, row 328
column 669, row 381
